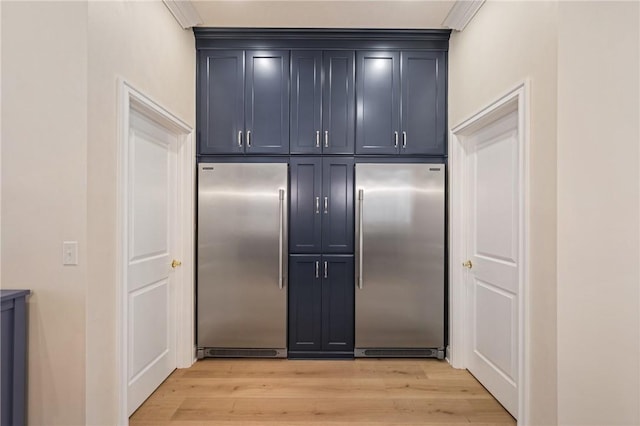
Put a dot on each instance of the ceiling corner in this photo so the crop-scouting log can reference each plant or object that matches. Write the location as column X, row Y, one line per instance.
column 185, row 12
column 461, row 14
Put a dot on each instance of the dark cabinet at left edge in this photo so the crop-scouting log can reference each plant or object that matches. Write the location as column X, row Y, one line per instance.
column 243, row 102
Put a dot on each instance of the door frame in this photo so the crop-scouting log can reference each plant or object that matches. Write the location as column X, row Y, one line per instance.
column 131, row 99
column 516, row 99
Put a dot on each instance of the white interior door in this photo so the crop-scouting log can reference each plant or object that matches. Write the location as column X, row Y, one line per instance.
column 150, row 241
column 493, row 248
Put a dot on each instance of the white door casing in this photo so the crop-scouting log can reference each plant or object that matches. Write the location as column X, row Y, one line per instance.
column 156, row 210
column 488, row 226
column 151, row 231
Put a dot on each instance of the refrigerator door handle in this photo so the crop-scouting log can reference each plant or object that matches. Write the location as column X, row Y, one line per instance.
column 281, row 240
column 360, row 236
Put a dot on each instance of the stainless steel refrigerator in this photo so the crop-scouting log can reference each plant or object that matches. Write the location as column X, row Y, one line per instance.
column 242, row 260
column 400, row 248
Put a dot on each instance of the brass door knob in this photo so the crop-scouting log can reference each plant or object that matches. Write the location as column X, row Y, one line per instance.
column 467, row 264
column 175, row 263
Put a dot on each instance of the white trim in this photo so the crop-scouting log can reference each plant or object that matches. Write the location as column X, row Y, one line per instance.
column 461, row 14
column 516, row 99
column 129, row 98
column 185, row 12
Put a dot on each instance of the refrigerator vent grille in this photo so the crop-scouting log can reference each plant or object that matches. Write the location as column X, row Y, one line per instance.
column 240, row 353
column 407, row 353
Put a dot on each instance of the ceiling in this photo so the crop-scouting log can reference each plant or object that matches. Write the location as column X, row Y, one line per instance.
column 323, row 14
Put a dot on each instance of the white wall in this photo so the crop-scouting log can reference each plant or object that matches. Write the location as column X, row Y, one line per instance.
column 598, row 214
column 44, row 189
column 142, row 43
column 505, row 43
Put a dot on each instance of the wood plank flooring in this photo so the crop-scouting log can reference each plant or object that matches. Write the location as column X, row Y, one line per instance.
column 273, row 392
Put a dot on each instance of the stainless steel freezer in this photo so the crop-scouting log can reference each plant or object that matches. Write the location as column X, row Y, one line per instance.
column 242, row 259
column 400, row 236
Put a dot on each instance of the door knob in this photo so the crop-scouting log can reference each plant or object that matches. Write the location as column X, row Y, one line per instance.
column 467, row 264
column 175, row 263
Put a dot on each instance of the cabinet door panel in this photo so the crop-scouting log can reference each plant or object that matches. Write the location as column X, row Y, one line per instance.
column 305, row 303
column 423, row 103
column 337, row 303
column 378, row 102
column 306, row 205
column 267, row 102
column 337, row 217
column 221, row 101
column 306, row 102
column 338, row 108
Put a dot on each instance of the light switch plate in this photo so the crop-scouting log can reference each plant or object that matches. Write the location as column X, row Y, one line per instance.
column 69, row 252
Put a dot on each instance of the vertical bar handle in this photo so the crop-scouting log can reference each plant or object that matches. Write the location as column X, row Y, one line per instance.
column 395, row 139
column 326, row 269
column 360, row 236
column 240, row 138
column 281, row 240
column 249, row 138
column 326, row 205
column 317, row 138
column 326, row 139
column 404, row 139
column 317, row 205
column 317, row 269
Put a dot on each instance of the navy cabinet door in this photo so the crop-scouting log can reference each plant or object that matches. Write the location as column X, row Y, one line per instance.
column 378, row 102
column 267, row 102
column 221, row 102
column 337, row 205
column 306, row 101
column 305, row 303
column 337, row 303
column 306, row 205
column 338, row 105
column 423, row 103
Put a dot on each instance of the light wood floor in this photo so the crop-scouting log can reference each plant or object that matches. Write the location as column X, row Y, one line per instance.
column 336, row 393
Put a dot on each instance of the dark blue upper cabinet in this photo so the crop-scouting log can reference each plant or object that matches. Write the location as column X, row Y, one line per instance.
column 322, row 102
column 378, row 102
column 423, row 103
column 337, row 205
column 267, row 102
column 337, row 303
column 305, row 306
column 306, row 102
column 221, row 101
column 338, row 106
column 306, row 205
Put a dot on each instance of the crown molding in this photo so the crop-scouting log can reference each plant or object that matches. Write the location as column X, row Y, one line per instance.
column 461, row 14
column 184, row 12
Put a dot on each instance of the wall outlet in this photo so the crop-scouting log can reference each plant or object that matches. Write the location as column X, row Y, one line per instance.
column 69, row 252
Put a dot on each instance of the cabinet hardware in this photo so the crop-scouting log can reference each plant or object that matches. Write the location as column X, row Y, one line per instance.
column 404, row 139
column 467, row 264
column 395, row 139
column 175, row 263
column 317, row 205
column 248, row 138
column 317, row 269
column 326, row 269
column 317, row 138
column 240, row 138
column 326, row 139
column 326, row 205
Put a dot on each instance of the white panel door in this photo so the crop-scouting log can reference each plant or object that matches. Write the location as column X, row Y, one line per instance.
column 150, row 233
column 493, row 228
